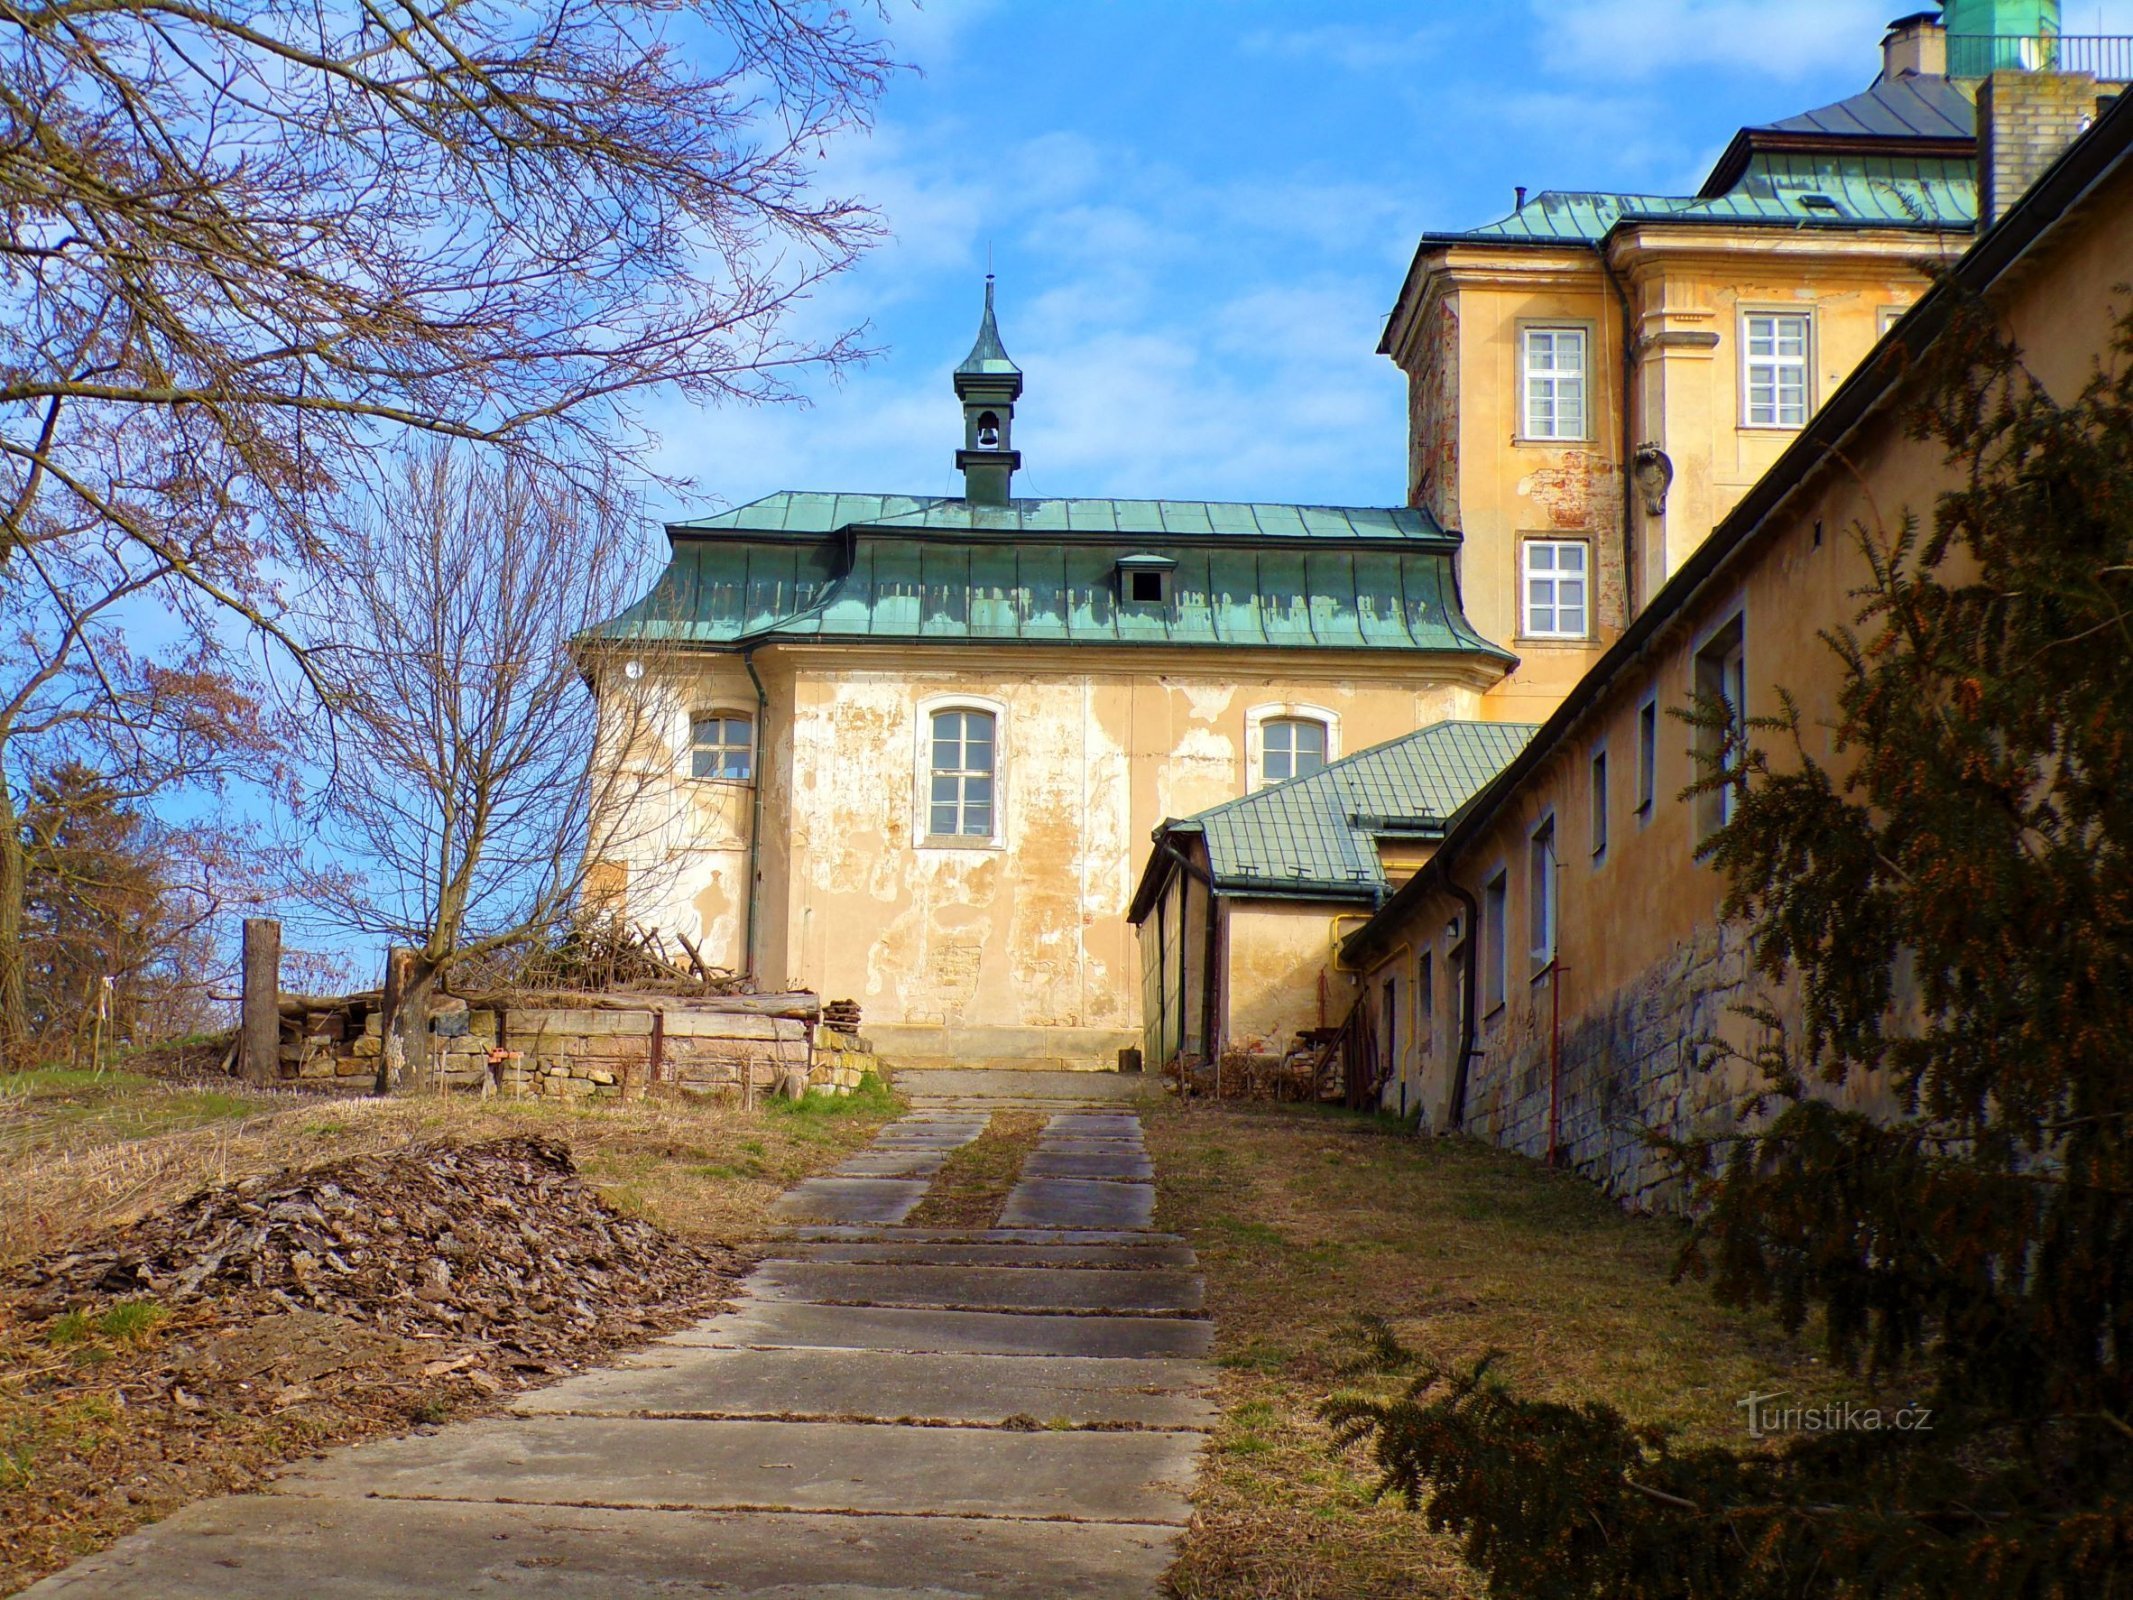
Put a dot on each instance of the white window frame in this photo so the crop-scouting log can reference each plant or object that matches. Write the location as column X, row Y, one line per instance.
column 1647, row 757
column 721, row 714
column 1255, row 721
column 1599, row 813
column 1543, row 872
column 1553, row 380
column 1552, row 575
column 1776, row 365
column 922, row 835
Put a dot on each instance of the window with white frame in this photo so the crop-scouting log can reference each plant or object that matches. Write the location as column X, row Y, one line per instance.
column 1552, row 379
column 1495, row 943
column 961, row 799
column 1540, row 894
column 1599, row 805
column 1291, row 747
column 722, row 745
column 1557, row 588
column 1774, row 368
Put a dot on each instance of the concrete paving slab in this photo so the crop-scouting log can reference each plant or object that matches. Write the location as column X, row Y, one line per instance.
column 1095, row 1125
column 958, row 1288
column 887, row 1386
column 827, row 1232
column 1133, row 1257
column 267, row 1547
column 1077, row 1145
column 989, row 1082
column 1122, row 1165
column 1078, row 1203
column 794, row 1323
column 1134, row 1476
column 891, row 1164
column 849, row 1199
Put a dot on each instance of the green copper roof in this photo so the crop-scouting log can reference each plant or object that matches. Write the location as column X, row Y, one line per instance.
column 1792, row 188
column 891, row 568
column 802, row 513
column 1315, row 835
column 988, row 357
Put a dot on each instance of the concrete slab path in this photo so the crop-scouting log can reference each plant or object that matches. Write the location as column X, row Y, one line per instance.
column 1009, row 1412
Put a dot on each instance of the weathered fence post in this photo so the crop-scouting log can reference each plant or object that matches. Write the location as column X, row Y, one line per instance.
column 259, row 1025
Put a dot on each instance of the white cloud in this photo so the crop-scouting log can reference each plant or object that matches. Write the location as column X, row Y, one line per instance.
column 1606, row 41
column 1347, row 46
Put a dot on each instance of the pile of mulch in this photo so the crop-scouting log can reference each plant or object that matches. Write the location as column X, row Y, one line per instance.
column 306, row 1309
column 499, row 1247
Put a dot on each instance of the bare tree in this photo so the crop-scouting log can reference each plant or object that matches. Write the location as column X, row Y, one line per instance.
column 242, row 245
column 477, row 786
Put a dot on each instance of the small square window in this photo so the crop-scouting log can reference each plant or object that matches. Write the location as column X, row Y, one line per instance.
column 1557, row 588
column 1149, row 586
column 1291, row 747
column 722, row 747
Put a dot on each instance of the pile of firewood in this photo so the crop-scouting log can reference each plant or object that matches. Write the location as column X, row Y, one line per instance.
column 842, row 1015
column 499, row 1244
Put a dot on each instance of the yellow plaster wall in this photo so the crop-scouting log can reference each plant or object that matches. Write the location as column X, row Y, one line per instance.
column 1277, row 952
column 1019, row 951
column 1646, row 966
column 1686, row 290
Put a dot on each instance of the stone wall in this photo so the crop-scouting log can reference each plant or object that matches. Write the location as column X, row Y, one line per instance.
column 1627, row 1065
column 591, row 1051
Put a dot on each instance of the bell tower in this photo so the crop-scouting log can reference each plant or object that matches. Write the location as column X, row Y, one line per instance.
column 988, row 384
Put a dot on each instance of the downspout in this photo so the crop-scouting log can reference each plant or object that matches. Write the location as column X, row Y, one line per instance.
column 1470, row 994
column 755, row 813
column 1629, row 434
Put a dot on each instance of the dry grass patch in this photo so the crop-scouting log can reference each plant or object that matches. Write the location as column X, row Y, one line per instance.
column 1304, row 1218
column 117, row 1413
column 971, row 1188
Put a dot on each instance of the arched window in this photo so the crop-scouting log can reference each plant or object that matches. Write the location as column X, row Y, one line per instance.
column 1291, row 747
column 722, row 745
column 964, row 762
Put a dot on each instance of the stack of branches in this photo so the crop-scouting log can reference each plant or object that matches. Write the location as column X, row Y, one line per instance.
column 598, row 954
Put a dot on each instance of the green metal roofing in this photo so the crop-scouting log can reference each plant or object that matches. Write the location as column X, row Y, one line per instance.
column 804, row 513
column 1315, row 835
column 1794, row 188
column 988, row 357
column 901, row 568
column 728, row 592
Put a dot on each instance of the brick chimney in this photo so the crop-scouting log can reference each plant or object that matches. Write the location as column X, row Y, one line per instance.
column 2024, row 120
column 1915, row 47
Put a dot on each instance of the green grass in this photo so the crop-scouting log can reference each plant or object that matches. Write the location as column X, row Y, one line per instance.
column 126, row 1322
column 1303, row 1218
column 872, row 1098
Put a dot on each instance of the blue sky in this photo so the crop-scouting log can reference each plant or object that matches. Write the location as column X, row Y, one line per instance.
column 1200, row 213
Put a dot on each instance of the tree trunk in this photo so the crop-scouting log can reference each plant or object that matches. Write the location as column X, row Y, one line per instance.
column 410, row 980
column 14, row 980
column 259, row 1025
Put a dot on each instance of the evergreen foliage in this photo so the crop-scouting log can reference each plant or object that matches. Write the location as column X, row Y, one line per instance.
column 1950, row 895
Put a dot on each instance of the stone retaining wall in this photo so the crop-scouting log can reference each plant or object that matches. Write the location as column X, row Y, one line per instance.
column 588, row 1052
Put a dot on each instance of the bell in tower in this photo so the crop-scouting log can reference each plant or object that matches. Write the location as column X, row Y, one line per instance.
column 988, row 384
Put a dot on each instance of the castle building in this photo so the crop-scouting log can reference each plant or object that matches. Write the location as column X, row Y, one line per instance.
column 910, row 750
column 1595, row 379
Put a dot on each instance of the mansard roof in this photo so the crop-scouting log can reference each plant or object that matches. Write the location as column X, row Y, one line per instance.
column 1315, row 836
column 912, row 569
